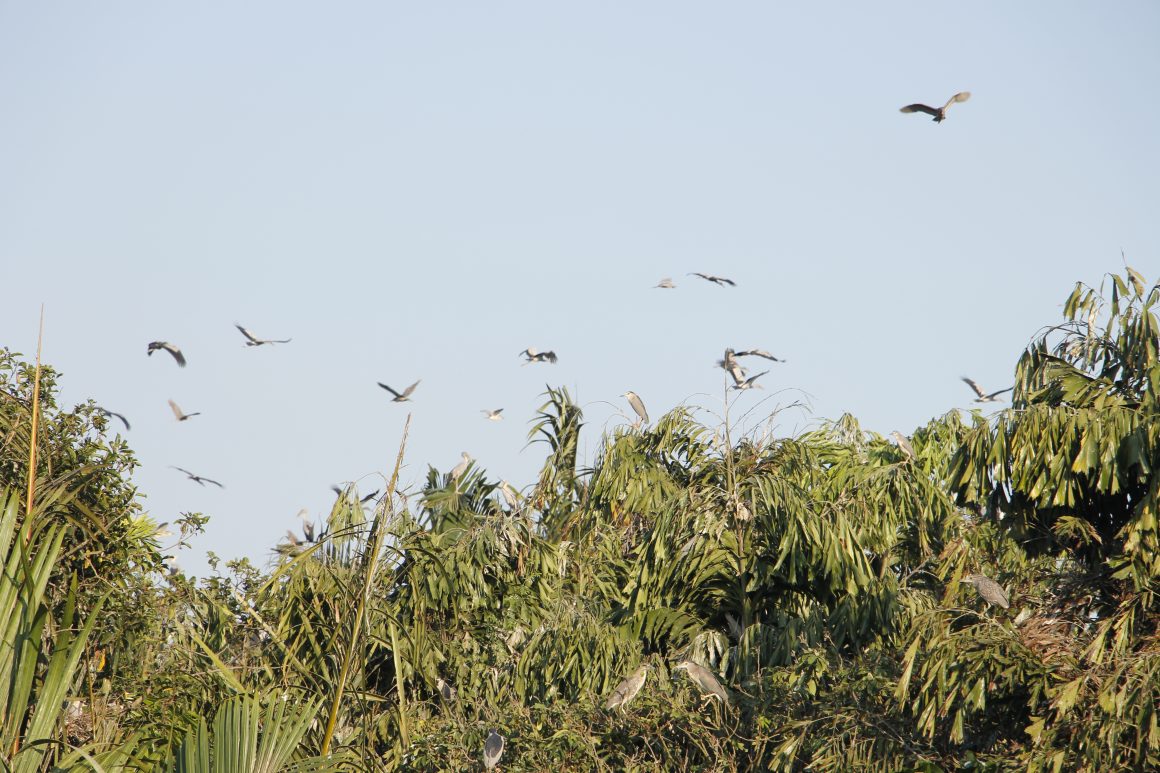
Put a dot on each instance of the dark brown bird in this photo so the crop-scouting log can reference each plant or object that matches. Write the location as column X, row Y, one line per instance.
column 720, row 281
column 400, row 397
column 107, row 412
column 177, row 355
column 939, row 113
column 253, row 340
column 199, row 480
column 983, row 397
column 181, row 415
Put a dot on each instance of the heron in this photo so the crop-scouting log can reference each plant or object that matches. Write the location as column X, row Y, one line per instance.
column 984, row 397
column 171, row 348
column 720, row 281
column 491, row 415
column 990, row 590
column 106, row 412
column 446, row 691
column 731, row 366
column 509, row 494
column 253, row 340
column 400, row 397
column 461, row 468
column 531, row 355
column 705, row 679
column 758, row 353
column 904, row 444
column 307, row 525
column 292, row 538
column 665, row 284
column 749, row 383
column 939, row 113
column 627, row 690
column 492, row 749
column 198, row 479
column 180, row 414
column 637, row 405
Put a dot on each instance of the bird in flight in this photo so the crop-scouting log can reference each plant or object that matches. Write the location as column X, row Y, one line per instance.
column 665, row 284
column 177, row 355
column 199, row 480
column 731, row 366
column 758, row 353
column 939, row 113
column 253, row 340
column 181, row 415
column 984, row 397
column 749, row 383
column 637, row 405
column 530, row 355
column 107, row 412
column 400, row 397
column 720, row 281
column 496, row 415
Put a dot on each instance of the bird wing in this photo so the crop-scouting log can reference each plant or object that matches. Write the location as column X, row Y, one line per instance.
column 214, row 482
column 248, row 334
column 720, row 279
column 758, row 353
column 176, row 410
column 182, row 469
column 962, row 96
column 384, row 386
column 978, row 389
column 177, row 355
column 1001, row 391
column 751, row 379
column 407, row 392
column 919, row 108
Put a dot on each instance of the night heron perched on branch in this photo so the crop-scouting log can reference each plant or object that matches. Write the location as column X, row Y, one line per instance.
column 984, row 397
column 991, row 591
column 720, row 281
column 180, row 414
column 166, row 346
column 665, row 284
column 198, row 479
column 531, row 355
column 461, row 468
column 446, row 691
column 107, row 412
column 492, row 749
column 705, row 679
column 510, row 496
column 400, row 397
column 496, row 415
column 637, row 405
column 904, row 444
column 627, row 690
column 253, row 340
column 939, row 113
column 749, row 383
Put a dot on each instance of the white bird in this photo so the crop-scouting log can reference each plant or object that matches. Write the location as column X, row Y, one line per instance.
column 400, row 397
column 904, row 444
column 510, row 496
column 492, row 749
column 939, row 113
column 253, row 340
column 461, row 468
column 665, row 284
column 637, row 405
column 491, row 415
column 181, row 415
column 984, row 397
column 165, row 345
column 731, row 366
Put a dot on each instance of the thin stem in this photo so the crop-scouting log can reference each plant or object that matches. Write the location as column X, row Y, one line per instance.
column 32, row 443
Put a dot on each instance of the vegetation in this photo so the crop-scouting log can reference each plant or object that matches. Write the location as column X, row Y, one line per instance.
column 818, row 576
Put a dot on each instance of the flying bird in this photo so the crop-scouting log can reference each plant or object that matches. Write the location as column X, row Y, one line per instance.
column 665, row 284
column 496, row 415
column 181, row 415
column 177, row 355
column 731, row 366
column 400, row 397
column 637, row 405
column 307, row 525
column 253, row 340
column 107, row 412
column 492, row 749
column 199, row 480
column 530, row 355
column 292, row 538
column 749, row 383
column 984, row 397
column 758, row 353
column 461, row 468
column 705, row 679
column 627, row 690
column 720, row 281
column 904, row 444
column 939, row 113
column 990, row 590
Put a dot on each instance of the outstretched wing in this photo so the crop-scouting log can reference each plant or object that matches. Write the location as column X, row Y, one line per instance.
column 758, row 353
column 978, row 389
column 919, row 108
column 250, row 336
column 993, row 395
column 176, row 410
column 407, row 392
column 962, row 96
column 214, row 482
column 384, row 386
column 177, row 355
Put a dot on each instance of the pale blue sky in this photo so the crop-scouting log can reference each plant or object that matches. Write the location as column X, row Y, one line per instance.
column 422, row 190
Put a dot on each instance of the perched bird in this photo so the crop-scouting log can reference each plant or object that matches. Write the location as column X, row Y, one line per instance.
column 758, row 353
column 665, row 284
column 731, row 366
column 750, row 383
column 939, row 113
column 491, row 415
column 177, row 355
column 253, row 340
column 904, row 444
column 530, row 355
column 510, row 496
column 446, row 691
column 984, row 397
column 492, row 749
column 199, row 480
column 181, row 415
column 720, row 281
column 400, row 397
column 637, row 405
column 464, row 462
column 990, row 590
column 704, row 679
column 107, row 412
column 627, row 690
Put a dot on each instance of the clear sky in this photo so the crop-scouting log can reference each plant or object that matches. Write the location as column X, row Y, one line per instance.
column 422, row 190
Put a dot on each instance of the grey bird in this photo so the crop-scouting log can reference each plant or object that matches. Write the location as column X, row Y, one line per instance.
column 198, row 479
column 496, row 415
column 990, row 590
column 749, row 383
column 531, row 355
column 758, row 353
column 637, row 405
column 165, row 345
column 665, row 284
column 400, row 397
column 510, row 496
column 180, row 414
column 253, row 340
column 731, row 366
column 492, row 749
column 446, row 691
column 705, row 679
column 627, row 690
column 307, row 525
column 984, row 397
column 720, row 281
column 107, row 412
column 461, row 468
column 904, row 444
column 939, row 113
